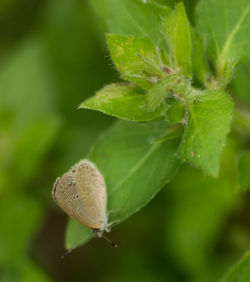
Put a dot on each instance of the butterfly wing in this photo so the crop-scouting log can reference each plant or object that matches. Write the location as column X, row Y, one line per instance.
column 67, row 197
column 91, row 188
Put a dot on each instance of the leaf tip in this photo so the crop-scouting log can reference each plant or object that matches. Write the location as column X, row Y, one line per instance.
column 81, row 106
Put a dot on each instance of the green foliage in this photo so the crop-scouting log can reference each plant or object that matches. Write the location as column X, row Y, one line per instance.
column 225, row 25
column 135, row 58
column 176, row 112
column 123, row 101
column 184, row 91
column 160, row 74
column 177, row 33
column 205, row 135
column 132, row 155
column 156, row 95
column 155, row 162
column 162, row 87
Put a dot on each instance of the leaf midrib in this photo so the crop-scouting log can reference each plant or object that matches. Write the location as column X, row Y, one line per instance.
column 136, row 167
column 197, row 127
column 233, row 33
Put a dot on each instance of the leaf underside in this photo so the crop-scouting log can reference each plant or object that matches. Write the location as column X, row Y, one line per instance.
column 137, row 162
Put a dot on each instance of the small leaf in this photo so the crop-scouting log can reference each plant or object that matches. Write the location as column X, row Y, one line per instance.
column 226, row 27
column 164, row 58
column 122, row 101
column 241, row 271
column 136, row 163
column 205, row 135
column 135, row 58
column 177, row 32
column 159, row 91
column 243, row 171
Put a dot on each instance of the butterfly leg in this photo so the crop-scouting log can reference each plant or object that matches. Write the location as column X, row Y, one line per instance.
column 112, row 211
column 110, row 225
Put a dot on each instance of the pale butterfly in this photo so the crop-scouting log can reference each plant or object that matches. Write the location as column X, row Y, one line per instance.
column 81, row 193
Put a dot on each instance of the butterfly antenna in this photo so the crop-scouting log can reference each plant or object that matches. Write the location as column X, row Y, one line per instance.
column 110, row 241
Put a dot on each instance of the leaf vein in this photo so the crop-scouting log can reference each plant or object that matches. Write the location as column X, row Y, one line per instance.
column 137, row 166
column 236, row 28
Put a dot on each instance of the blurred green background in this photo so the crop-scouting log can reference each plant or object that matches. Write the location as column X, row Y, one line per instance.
column 53, row 56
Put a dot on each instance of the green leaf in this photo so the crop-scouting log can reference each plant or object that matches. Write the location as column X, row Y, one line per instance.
column 199, row 62
column 136, row 163
column 177, row 32
column 241, row 271
column 122, row 101
column 243, row 171
column 133, row 17
column 135, row 58
column 156, row 95
column 205, row 135
column 164, row 58
column 226, row 27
